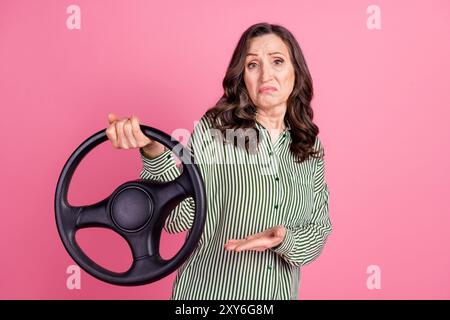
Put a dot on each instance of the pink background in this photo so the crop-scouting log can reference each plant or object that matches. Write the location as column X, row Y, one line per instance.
column 382, row 103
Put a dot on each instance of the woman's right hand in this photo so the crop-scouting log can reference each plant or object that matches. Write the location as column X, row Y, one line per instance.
column 126, row 134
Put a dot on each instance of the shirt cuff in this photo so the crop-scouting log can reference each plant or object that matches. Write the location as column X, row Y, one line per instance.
column 158, row 165
column 287, row 245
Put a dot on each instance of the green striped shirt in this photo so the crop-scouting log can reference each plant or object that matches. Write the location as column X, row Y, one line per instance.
column 247, row 194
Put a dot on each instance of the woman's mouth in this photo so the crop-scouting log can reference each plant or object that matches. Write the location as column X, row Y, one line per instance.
column 267, row 89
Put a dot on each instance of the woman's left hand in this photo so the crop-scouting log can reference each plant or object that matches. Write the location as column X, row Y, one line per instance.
column 259, row 242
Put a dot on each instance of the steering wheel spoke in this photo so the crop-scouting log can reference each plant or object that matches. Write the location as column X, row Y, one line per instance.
column 95, row 215
column 168, row 195
column 143, row 244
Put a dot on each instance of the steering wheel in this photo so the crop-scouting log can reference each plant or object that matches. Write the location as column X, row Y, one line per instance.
column 136, row 210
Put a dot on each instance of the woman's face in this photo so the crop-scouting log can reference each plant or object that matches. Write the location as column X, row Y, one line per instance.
column 268, row 65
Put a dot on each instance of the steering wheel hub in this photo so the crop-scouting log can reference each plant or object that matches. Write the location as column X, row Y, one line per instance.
column 131, row 209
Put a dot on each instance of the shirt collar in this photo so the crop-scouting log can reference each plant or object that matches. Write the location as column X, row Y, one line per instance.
column 260, row 126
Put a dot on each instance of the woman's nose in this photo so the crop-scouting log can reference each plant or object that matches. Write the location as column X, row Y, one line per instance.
column 266, row 72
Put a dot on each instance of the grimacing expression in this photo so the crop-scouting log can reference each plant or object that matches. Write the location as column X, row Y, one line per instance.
column 268, row 74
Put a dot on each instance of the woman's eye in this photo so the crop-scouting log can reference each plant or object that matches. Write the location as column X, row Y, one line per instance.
column 277, row 62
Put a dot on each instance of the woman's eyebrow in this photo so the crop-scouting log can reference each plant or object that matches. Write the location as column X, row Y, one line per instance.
column 271, row 53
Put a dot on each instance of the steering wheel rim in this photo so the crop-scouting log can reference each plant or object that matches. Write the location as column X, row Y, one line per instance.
column 142, row 227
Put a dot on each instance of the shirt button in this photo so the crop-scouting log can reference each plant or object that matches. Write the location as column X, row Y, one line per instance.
column 270, row 153
column 276, row 206
column 269, row 267
column 277, row 179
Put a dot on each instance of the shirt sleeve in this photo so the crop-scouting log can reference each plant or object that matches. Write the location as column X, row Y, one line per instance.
column 163, row 168
column 304, row 243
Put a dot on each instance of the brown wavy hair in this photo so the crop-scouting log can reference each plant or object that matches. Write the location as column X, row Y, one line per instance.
column 235, row 110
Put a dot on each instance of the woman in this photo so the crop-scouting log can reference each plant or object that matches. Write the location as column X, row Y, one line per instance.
column 267, row 198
